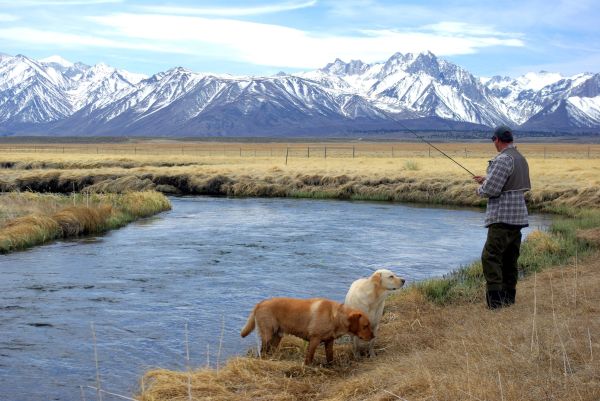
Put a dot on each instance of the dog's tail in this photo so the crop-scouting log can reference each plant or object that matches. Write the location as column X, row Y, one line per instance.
column 249, row 324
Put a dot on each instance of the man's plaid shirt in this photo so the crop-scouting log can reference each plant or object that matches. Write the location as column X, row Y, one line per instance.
column 502, row 207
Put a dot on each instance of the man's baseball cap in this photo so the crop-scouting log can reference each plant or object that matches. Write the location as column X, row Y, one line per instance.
column 503, row 133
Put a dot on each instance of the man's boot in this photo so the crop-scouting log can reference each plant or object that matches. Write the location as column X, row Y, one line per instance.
column 494, row 299
column 509, row 296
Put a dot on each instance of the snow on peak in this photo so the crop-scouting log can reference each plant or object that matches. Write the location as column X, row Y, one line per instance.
column 341, row 68
column 57, row 60
column 134, row 78
column 102, row 68
column 537, row 80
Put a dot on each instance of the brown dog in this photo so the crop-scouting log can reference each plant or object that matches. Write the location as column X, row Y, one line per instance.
column 316, row 320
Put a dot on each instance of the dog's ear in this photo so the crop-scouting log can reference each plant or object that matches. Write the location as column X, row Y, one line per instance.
column 354, row 322
column 376, row 278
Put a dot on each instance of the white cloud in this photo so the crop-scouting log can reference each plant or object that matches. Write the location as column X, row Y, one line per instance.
column 37, row 3
column 257, row 43
column 276, row 45
column 462, row 28
column 8, row 18
column 59, row 39
column 230, row 11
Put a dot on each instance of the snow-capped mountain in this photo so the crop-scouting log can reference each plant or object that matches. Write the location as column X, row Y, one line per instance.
column 421, row 85
column 524, row 97
column 57, row 97
column 38, row 92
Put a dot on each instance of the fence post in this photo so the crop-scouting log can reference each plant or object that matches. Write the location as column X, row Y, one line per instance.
column 544, row 153
column 308, row 152
column 353, row 152
column 325, row 152
column 392, row 151
column 286, row 155
column 588, row 152
column 466, row 153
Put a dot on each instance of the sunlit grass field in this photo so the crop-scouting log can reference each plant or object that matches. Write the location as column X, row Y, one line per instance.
column 567, row 174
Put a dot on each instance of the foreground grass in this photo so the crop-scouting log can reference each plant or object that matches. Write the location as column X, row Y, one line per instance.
column 28, row 219
column 543, row 348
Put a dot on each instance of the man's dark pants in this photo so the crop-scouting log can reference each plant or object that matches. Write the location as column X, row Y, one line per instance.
column 500, row 255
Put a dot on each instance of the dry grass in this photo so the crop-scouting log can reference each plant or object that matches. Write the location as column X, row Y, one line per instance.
column 546, row 347
column 17, row 204
column 30, row 219
column 567, row 178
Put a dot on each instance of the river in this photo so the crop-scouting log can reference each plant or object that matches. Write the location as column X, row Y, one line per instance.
column 202, row 265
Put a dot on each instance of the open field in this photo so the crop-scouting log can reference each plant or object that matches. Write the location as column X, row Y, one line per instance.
column 166, row 149
column 562, row 174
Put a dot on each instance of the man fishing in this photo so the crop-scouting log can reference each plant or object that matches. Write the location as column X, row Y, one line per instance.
column 505, row 185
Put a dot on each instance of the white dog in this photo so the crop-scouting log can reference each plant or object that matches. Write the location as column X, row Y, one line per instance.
column 368, row 295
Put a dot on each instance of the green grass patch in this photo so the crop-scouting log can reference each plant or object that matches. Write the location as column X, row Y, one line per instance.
column 411, row 165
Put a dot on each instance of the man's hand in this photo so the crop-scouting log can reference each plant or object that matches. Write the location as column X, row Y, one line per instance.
column 479, row 179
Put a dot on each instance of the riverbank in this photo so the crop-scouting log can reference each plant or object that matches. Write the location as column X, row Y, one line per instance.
column 409, row 176
column 28, row 219
column 544, row 347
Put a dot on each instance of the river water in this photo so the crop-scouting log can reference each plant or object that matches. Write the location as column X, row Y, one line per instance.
column 203, row 265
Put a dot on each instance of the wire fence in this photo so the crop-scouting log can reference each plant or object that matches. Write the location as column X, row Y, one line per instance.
column 307, row 151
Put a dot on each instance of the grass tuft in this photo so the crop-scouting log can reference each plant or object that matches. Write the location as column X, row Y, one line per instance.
column 69, row 216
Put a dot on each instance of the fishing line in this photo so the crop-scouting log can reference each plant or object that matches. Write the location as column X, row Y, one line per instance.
column 432, row 145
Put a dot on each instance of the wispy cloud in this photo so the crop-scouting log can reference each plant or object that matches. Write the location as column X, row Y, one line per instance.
column 276, row 45
column 230, row 11
column 38, row 3
column 465, row 29
column 8, row 18
column 44, row 38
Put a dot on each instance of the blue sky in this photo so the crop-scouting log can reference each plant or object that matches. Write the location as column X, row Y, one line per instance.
column 502, row 37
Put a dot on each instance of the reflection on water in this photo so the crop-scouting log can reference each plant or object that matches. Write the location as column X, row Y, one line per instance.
column 205, row 263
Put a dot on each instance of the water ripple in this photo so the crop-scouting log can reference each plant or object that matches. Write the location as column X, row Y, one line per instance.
column 203, row 264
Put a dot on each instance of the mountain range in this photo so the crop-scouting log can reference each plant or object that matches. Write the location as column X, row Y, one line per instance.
column 55, row 97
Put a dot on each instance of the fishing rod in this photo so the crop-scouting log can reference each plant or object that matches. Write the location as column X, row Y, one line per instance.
column 432, row 145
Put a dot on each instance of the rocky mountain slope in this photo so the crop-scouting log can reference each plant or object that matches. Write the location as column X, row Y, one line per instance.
column 416, row 91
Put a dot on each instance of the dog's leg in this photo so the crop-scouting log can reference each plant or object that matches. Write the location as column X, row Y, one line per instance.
column 356, row 347
column 329, row 350
column 372, row 348
column 275, row 341
column 312, row 347
column 266, row 334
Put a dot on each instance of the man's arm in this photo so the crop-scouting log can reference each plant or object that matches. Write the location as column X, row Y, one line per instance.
column 496, row 178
